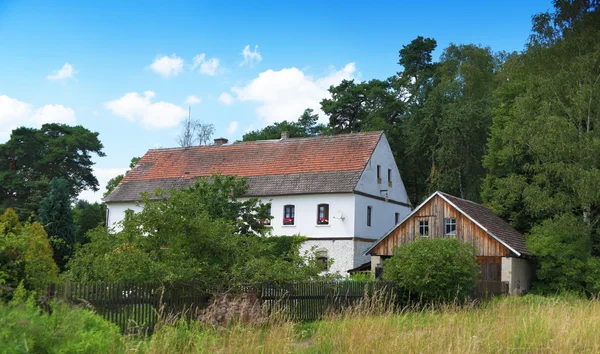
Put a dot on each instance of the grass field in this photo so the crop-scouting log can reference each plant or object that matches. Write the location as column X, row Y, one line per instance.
column 529, row 324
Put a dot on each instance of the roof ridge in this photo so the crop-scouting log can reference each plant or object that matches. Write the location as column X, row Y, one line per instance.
column 463, row 199
column 333, row 136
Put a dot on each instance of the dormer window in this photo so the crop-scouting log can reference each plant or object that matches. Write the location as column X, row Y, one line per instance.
column 379, row 174
column 369, row 212
column 289, row 212
column 396, row 218
column 323, row 214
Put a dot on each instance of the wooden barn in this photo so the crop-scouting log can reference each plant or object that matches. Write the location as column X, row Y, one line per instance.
column 500, row 249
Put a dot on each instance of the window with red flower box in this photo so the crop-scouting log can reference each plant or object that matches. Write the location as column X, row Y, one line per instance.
column 323, row 214
column 289, row 212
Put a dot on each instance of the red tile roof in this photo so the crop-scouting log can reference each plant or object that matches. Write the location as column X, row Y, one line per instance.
column 346, row 152
column 325, row 164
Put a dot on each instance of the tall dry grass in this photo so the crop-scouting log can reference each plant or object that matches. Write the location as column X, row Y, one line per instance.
column 530, row 324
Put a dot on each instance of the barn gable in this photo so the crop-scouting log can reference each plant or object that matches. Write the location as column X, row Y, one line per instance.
column 474, row 223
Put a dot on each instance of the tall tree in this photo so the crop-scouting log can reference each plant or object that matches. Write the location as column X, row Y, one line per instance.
column 56, row 215
column 31, row 158
column 194, row 132
column 414, row 84
column 543, row 156
column 463, row 116
column 306, row 125
column 187, row 137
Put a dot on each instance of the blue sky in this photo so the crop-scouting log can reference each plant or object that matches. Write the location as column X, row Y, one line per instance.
column 127, row 69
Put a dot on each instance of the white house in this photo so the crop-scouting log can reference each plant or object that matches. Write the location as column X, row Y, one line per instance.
column 342, row 192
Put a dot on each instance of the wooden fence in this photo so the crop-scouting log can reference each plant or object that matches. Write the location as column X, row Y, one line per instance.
column 137, row 307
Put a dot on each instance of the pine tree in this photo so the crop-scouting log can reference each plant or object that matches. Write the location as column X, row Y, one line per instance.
column 56, row 215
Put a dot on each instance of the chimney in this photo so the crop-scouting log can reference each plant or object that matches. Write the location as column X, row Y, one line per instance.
column 285, row 135
column 220, row 141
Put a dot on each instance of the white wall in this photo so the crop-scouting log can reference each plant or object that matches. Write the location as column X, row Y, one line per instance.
column 341, row 251
column 360, row 247
column 383, row 157
column 518, row 273
column 305, row 223
column 382, row 216
column 116, row 212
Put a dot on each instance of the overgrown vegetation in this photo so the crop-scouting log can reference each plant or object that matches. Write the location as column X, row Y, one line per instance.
column 530, row 323
column 436, row 270
column 25, row 256
column 203, row 233
column 25, row 328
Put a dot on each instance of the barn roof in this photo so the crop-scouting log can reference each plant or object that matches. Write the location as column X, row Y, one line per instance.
column 324, row 164
column 483, row 217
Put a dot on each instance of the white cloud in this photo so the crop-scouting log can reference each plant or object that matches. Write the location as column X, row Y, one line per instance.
column 167, row 66
column 15, row 113
column 226, row 98
column 54, row 113
column 66, row 72
column 208, row 67
column 103, row 175
column 192, row 100
column 251, row 57
column 284, row 94
column 232, row 128
column 134, row 107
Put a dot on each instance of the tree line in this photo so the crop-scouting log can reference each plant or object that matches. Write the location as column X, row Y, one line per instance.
column 516, row 131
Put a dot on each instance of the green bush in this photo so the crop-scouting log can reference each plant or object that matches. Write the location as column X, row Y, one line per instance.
column 25, row 254
column 442, row 269
column 562, row 248
column 24, row 328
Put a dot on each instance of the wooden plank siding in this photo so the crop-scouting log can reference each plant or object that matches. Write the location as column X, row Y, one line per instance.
column 488, row 249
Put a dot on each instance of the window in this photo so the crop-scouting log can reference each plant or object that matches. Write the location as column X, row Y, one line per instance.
column 424, row 228
column 323, row 214
column 267, row 220
column 322, row 258
column 369, row 211
column 289, row 212
column 378, row 173
column 396, row 218
column 450, row 226
column 389, row 177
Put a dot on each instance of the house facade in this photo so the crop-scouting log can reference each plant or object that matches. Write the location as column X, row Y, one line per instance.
column 499, row 248
column 341, row 192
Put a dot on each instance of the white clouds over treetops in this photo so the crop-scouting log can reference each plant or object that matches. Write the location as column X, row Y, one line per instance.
column 226, row 99
column 285, row 94
column 205, row 66
column 192, row 100
column 250, row 57
column 66, row 72
column 15, row 113
column 167, row 66
column 137, row 108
